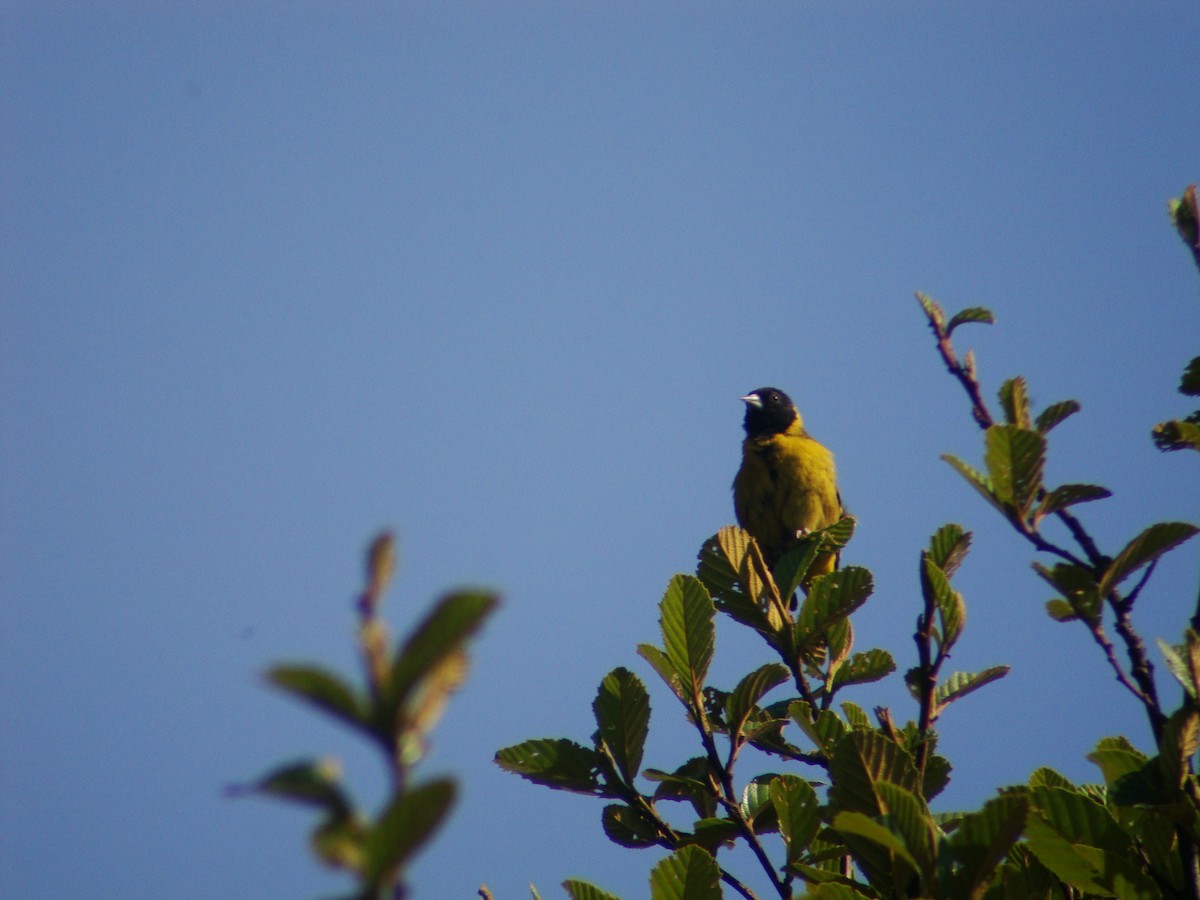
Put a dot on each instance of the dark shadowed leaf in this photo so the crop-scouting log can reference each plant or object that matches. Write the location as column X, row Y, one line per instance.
column 726, row 561
column 749, row 692
column 622, row 710
column 981, row 841
column 312, row 782
column 623, row 825
column 690, row 873
column 326, row 691
column 407, row 823
column 1069, row 495
column 1189, row 384
column 557, row 763
column 859, row 760
column 441, row 633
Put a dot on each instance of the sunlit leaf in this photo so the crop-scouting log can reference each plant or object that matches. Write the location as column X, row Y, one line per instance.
column 1116, row 758
column 1060, row 610
column 832, row 598
column 1178, row 434
column 1069, row 495
column 1179, row 743
column 982, row 483
column 982, row 839
column 859, row 760
column 960, row 684
column 1015, row 458
column 933, row 312
column 1078, row 588
column 1143, row 549
column 948, row 547
column 687, row 628
column 952, row 611
column 863, row 668
column 690, row 873
column 798, row 811
column 722, row 561
column 582, row 890
column 1014, row 400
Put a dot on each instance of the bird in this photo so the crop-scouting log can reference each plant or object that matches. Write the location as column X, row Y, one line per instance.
column 786, row 486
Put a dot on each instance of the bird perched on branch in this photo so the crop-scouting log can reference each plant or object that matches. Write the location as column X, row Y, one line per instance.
column 787, row 484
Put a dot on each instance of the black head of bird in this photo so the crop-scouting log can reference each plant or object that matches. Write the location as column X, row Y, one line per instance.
column 768, row 411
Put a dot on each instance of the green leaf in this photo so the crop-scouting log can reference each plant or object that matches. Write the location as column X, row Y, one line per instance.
column 340, row 842
column 970, row 314
column 666, row 671
column 1184, row 662
column 1078, row 588
column 1014, row 400
column 948, row 547
column 1116, row 758
column 405, row 825
column 981, row 841
column 933, row 312
column 1079, row 819
column 690, row 873
column 749, row 692
column 1069, row 495
column 824, row 731
column 440, row 634
column 732, row 569
column 1189, row 384
column 1044, row 776
column 863, row 668
column 625, row 826
column 687, row 628
column 1144, row 549
column 831, row 598
column 907, row 815
column 756, row 804
column 312, row 782
column 1055, row 413
column 1060, row 610
column 688, row 782
column 622, row 710
column 979, row 481
column 952, row 611
column 713, row 833
column 327, row 692
column 556, row 763
column 1015, row 458
column 835, row 891
column 582, row 890
column 859, row 760
column 799, row 813
column 1179, row 743
column 960, row 684
column 855, row 823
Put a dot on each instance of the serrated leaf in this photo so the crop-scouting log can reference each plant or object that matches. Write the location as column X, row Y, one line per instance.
column 1055, row 413
column 749, row 692
column 861, row 825
column 832, row 598
column 1069, row 495
column 855, row 715
column 907, row 815
column 981, row 841
column 1144, row 549
column 690, row 873
column 1015, row 459
column 687, row 628
column 404, row 826
column 1078, row 587
column 1058, row 855
column 859, row 760
column 582, row 890
column 948, row 547
column 799, row 813
column 979, row 481
column 1116, row 758
column 824, row 731
column 1079, row 819
column 952, row 611
column 1179, row 743
column 691, row 781
column 1014, row 400
column 326, row 691
column 863, row 668
column 1044, row 776
column 556, row 763
column 624, row 826
column 722, row 561
column 959, row 684
column 666, row 671
column 713, row 833
column 453, row 620
column 970, row 314
column 756, row 806
column 622, row 710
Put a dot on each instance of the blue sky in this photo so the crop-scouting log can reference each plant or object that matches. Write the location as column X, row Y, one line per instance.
column 495, row 275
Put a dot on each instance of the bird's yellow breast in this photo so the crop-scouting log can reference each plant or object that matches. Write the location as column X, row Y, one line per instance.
column 787, row 485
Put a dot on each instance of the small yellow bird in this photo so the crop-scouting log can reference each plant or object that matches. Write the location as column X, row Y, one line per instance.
column 787, row 484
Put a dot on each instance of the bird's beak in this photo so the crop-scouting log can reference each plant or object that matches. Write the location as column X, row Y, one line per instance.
column 752, row 400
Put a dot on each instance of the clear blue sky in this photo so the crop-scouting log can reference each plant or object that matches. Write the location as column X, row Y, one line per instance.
column 495, row 275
